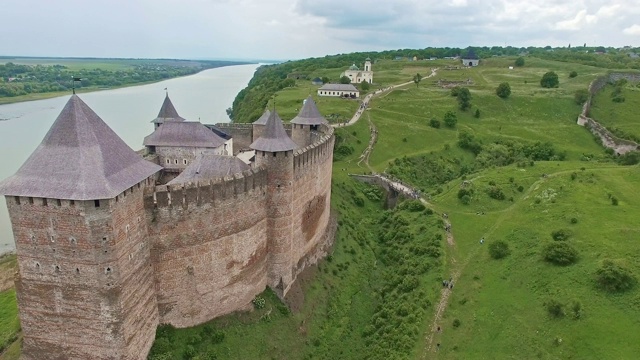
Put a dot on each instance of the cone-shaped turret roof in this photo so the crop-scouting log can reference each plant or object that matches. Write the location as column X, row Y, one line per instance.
column 209, row 166
column 167, row 112
column 309, row 114
column 274, row 138
column 263, row 119
column 80, row 158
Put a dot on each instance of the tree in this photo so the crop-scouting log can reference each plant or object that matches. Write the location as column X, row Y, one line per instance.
column 364, row 86
column 503, row 90
column 549, row 80
column 417, row 78
column 345, row 80
column 573, row 74
column 520, row 61
column 325, row 80
column 434, row 123
column 581, row 96
column 499, row 249
column 560, row 253
column 450, row 119
column 464, row 98
column 477, row 114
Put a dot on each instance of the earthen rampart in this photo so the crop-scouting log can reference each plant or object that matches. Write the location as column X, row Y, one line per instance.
column 608, row 139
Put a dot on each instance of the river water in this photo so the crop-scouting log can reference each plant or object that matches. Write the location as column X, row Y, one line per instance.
column 128, row 111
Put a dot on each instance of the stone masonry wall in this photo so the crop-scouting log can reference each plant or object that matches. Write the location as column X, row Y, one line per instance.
column 85, row 288
column 608, row 139
column 312, row 201
column 173, row 157
column 209, row 246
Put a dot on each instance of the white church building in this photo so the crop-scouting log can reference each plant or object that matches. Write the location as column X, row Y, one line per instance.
column 357, row 76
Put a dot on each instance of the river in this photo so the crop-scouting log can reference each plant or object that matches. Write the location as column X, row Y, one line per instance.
column 128, row 111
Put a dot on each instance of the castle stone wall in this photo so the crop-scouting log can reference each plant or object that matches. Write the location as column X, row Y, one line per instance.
column 173, row 157
column 242, row 135
column 209, row 246
column 311, row 201
column 80, row 294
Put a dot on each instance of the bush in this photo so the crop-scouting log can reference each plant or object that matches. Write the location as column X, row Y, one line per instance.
column 549, row 80
column 614, row 201
column 574, row 220
column 503, row 90
column 520, row 61
column 455, row 91
column 581, row 96
column 364, row 86
column 477, row 114
column 412, row 205
column 573, row 74
column 560, row 253
column 495, row 192
column 434, row 123
column 450, row 119
column 456, row 323
column 465, row 200
column 554, row 308
column 258, row 302
column 499, row 249
column 576, row 308
column 614, row 277
column 561, row 235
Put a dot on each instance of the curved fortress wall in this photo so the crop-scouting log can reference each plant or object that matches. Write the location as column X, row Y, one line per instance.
column 312, row 168
column 209, row 244
column 208, row 247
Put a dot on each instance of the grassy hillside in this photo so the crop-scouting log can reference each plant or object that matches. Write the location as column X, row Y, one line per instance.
column 619, row 117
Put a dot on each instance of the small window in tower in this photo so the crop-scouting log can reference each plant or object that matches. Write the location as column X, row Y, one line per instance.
column 168, row 161
column 96, row 203
column 176, row 161
column 44, row 202
column 53, row 239
column 58, row 202
column 274, row 154
column 57, row 268
column 37, row 266
column 72, row 202
column 31, row 200
column 184, row 161
column 73, row 241
column 77, row 271
column 17, row 198
column 107, row 270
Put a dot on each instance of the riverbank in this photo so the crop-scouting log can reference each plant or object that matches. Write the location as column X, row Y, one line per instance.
column 18, row 75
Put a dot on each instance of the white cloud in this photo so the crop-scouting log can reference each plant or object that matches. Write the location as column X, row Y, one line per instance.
column 632, row 30
column 282, row 29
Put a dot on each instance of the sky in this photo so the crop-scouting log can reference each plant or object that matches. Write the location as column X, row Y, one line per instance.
column 294, row 29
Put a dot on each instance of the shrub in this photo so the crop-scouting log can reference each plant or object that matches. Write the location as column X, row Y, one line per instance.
column 450, row 119
column 503, row 90
column 455, row 91
column 465, row 200
column 554, row 308
column 573, row 74
column 434, row 123
column 364, row 86
column 358, row 200
column 456, row 323
column 574, row 220
column 495, row 192
column 614, row 277
column 520, row 188
column 614, row 201
column 549, row 80
column 463, row 192
column 499, row 249
column 412, row 205
column 560, row 253
column 477, row 114
column 160, row 347
column 576, row 308
column 520, row 61
column 258, row 302
column 629, row 158
column 581, row 96
column 561, row 235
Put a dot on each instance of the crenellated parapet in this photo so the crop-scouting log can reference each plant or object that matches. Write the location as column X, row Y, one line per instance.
column 318, row 152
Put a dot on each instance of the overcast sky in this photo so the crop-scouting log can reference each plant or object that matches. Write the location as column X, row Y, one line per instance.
column 291, row 29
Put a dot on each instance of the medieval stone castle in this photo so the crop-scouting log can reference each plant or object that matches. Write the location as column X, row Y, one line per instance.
column 111, row 243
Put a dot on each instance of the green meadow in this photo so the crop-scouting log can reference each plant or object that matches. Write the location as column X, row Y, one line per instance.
column 522, row 175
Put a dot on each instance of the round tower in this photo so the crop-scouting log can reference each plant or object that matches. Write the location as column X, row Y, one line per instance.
column 85, row 285
column 306, row 123
column 274, row 151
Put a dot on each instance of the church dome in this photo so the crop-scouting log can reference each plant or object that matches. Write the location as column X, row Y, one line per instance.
column 353, row 67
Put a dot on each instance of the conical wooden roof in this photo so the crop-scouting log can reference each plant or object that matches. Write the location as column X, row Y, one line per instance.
column 167, row 112
column 309, row 114
column 274, row 138
column 262, row 120
column 80, row 158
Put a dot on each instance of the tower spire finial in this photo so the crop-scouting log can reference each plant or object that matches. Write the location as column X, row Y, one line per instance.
column 73, row 83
